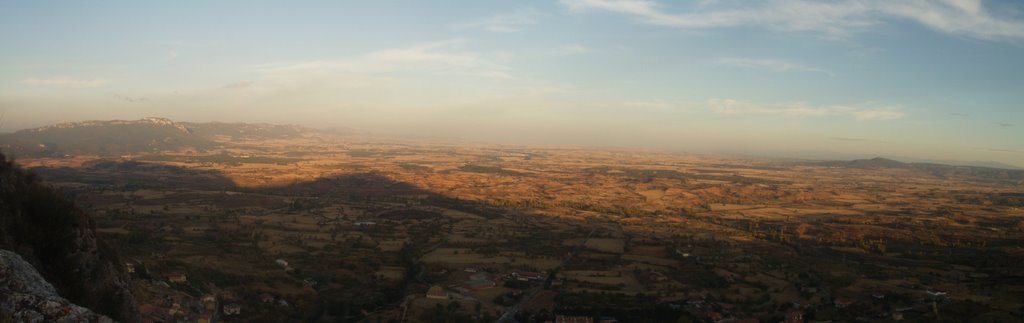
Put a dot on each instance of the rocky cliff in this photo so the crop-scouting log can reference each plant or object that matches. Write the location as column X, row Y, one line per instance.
column 27, row 297
column 59, row 240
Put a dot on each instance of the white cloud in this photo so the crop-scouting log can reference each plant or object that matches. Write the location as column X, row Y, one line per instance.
column 131, row 99
column 441, row 74
column 441, row 57
column 800, row 109
column 437, row 56
column 832, row 18
column 573, row 49
column 835, row 19
column 769, row 64
column 503, row 23
column 64, row 81
column 957, row 17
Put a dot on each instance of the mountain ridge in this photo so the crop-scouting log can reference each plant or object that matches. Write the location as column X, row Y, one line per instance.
column 980, row 173
column 146, row 135
column 93, row 123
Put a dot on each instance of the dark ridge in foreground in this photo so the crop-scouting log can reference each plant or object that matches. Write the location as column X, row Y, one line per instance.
column 46, row 229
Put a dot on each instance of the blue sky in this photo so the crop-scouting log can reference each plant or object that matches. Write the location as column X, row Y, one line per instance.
column 922, row 79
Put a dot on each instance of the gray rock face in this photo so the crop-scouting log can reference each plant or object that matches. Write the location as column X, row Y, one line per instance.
column 26, row 297
column 47, row 230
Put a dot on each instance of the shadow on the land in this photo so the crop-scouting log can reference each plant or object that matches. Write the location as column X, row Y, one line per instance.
column 180, row 185
column 132, row 175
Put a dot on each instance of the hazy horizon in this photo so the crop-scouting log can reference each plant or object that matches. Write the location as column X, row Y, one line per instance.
column 933, row 80
column 781, row 155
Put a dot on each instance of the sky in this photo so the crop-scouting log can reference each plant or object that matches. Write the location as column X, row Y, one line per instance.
column 940, row 80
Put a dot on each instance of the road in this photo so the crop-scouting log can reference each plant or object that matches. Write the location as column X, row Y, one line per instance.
column 510, row 312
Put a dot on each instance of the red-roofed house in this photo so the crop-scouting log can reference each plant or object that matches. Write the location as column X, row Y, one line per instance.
column 177, row 278
column 209, row 302
column 527, row 275
column 436, row 292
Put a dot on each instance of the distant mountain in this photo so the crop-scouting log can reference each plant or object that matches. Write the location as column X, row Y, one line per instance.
column 825, row 155
column 245, row 130
column 975, row 163
column 877, row 162
column 989, row 164
column 118, row 137
column 976, row 173
column 102, row 138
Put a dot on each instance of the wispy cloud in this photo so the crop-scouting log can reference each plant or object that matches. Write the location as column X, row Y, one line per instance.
column 959, row 114
column 131, row 99
column 442, row 74
column 573, row 49
column 64, row 81
column 1003, row 124
column 832, row 18
column 968, row 18
column 503, row 23
column 442, row 57
column 801, row 109
column 773, row 65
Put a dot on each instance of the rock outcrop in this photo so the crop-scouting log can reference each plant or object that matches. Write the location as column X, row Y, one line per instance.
column 27, row 297
column 59, row 240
